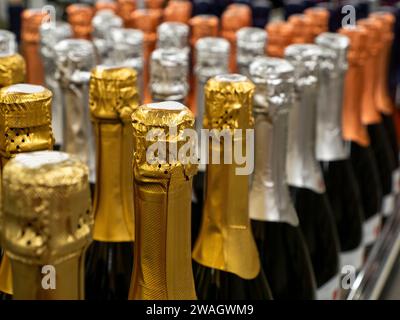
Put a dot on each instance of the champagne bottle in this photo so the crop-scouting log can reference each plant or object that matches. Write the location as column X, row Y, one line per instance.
column 74, row 60
column 178, row 11
column 333, row 152
column 173, row 35
column 354, row 131
column 162, row 187
column 305, row 175
column 275, row 223
column 50, row 34
column 226, row 261
column 30, row 37
column 127, row 50
column 251, row 44
column 212, row 58
column 113, row 96
column 371, row 117
column 46, row 224
column 102, row 23
column 147, row 21
column 279, row 37
column 26, row 127
column 302, row 31
column 80, row 17
column 320, row 20
column 235, row 17
column 169, row 75
column 125, row 9
column 382, row 97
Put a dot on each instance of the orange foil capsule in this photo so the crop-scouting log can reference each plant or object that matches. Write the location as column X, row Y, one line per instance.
column 154, row 4
column 352, row 127
column 369, row 111
column 30, row 36
column 178, row 11
column 383, row 100
column 319, row 18
column 80, row 18
column 279, row 37
column 109, row 5
column 146, row 20
column 235, row 17
column 302, row 28
column 125, row 9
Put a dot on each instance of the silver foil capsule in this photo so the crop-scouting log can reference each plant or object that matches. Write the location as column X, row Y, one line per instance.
column 127, row 51
column 303, row 168
column 173, row 35
column 8, row 44
column 74, row 59
column 169, row 75
column 104, row 21
column 273, row 98
column 212, row 59
column 251, row 44
column 50, row 34
column 330, row 145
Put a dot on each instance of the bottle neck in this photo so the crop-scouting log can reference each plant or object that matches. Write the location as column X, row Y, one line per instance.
column 269, row 194
column 330, row 145
column 55, row 281
column 78, row 133
column 113, row 202
column 352, row 126
column 369, row 112
column 225, row 240
column 162, row 265
column 383, row 99
column 303, row 169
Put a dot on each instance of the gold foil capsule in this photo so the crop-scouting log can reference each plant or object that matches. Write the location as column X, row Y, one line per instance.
column 225, row 240
column 113, row 96
column 163, row 191
column 25, row 120
column 46, row 222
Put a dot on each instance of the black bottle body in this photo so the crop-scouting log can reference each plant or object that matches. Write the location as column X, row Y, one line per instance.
column 285, row 260
column 214, row 284
column 319, row 230
column 345, row 199
column 108, row 270
column 366, row 172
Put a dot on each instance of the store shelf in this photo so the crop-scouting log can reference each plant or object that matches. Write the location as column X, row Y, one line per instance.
column 372, row 279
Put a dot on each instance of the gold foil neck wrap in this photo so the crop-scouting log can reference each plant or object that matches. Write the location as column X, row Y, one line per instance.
column 46, row 221
column 225, row 241
column 163, row 264
column 12, row 70
column 113, row 96
column 229, row 103
column 25, row 121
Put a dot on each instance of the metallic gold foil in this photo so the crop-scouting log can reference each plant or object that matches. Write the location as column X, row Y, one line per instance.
column 225, row 241
column 162, row 267
column 113, row 96
column 25, row 125
column 46, row 221
column 12, row 70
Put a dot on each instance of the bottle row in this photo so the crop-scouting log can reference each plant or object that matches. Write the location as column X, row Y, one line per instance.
column 314, row 120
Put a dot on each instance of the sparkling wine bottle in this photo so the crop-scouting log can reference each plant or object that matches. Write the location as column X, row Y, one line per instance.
column 305, row 176
column 283, row 251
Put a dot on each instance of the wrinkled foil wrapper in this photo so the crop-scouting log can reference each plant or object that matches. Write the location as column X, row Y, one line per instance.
column 163, row 191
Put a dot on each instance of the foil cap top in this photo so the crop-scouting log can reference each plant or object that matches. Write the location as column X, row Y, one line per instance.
column 8, row 44
column 168, row 73
column 103, row 22
column 212, row 54
column 113, row 92
column 173, row 34
column 305, row 59
column 228, row 102
column 47, row 216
